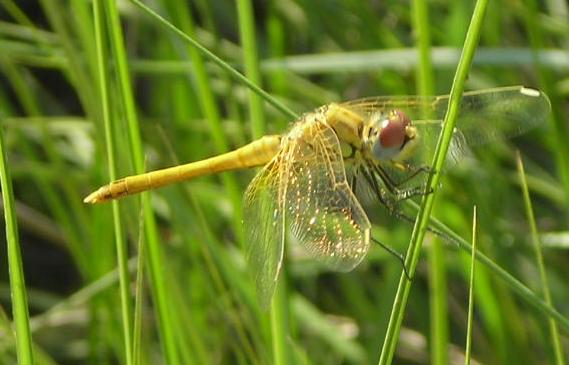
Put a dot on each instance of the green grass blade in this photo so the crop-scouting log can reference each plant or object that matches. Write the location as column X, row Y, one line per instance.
column 155, row 255
column 425, row 82
column 437, row 277
column 438, row 308
column 553, row 330
column 252, row 71
column 468, row 350
column 523, row 291
column 312, row 53
column 218, row 61
column 558, row 116
column 15, row 266
column 278, row 317
column 120, row 241
column 413, row 253
column 279, row 308
column 139, row 300
column 211, row 112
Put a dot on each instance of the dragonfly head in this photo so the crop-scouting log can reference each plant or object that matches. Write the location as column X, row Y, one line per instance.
column 389, row 134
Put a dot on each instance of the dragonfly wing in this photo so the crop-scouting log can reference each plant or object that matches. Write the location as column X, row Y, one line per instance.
column 264, row 230
column 501, row 113
column 324, row 215
column 365, row 190
column 485, row 116
column 427, row 137
column 359, row 185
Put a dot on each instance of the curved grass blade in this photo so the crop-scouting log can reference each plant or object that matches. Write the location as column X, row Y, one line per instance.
column 234, row 73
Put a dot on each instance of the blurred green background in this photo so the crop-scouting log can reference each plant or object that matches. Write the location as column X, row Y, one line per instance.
column 195, row 303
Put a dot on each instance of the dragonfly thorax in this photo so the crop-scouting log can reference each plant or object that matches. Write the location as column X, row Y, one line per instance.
column 387, row 135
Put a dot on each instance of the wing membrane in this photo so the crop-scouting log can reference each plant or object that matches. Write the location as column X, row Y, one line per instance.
column 306, row 185
column 323, row 212
column 264, row 229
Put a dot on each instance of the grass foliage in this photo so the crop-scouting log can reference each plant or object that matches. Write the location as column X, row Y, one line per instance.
column 102, row 89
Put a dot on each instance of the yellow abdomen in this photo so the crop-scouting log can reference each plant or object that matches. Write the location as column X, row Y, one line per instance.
column 256, row 153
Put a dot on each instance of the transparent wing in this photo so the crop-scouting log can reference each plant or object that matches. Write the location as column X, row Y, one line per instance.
column 264, row 229
column 323, row 213
column 485, row 116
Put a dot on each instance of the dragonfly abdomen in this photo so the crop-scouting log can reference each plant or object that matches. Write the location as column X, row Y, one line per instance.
column 256, row 153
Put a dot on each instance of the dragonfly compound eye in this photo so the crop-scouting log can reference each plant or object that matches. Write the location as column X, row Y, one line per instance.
column 392, row 135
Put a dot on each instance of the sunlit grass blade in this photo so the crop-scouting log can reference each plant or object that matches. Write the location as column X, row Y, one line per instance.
column 553, row 330
column 279, row 307
column 155, row 256
column 468, row 347
column 413, row 253
column 406, row 58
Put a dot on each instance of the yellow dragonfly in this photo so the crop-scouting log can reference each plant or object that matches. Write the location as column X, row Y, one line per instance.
column 316, row 176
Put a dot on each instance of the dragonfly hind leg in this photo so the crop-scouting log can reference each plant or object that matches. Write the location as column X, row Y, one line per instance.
column 395, row 254
column 404, row 194
column 404, row 217
column 392, row 208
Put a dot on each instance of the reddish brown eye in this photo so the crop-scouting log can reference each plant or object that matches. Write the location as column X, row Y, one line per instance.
column 393, row 130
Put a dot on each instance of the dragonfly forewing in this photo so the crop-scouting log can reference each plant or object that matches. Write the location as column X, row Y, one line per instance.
column 324, row 215
column 304, row 187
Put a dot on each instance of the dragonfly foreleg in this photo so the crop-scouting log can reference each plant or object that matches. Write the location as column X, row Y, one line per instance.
column 395, row 187
column 414, row 172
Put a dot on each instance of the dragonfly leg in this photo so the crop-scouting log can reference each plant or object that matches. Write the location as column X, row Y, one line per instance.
column 414, row 172
column 394, row 187
column 395, row 254
column 405, row 194
column 394, row 210
column 353, row 183
column 379, row 192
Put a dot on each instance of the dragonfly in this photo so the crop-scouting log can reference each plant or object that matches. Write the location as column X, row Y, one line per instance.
column 316, row 177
